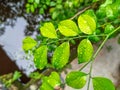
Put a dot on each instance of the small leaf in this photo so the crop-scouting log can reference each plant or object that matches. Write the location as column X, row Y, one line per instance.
column 76, row 79
column 68, row 28
column 40, row 57
column 109, row 28
column 48, row 30
column 85, row 51
column 49, row 83
column 35, row 75
column 16, row 75
column 46, row 86
column 86, row 24
column 109, row 12
column 28, row 43
column 61, row 55
column 55, row 75
column 54, row 79
column 101, row 83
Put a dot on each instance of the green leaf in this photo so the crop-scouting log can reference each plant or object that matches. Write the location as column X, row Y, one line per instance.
column 91, row 13
column 46, row 86
column 61, row 55
column 30, row 1
column 109, row 28
column 86, row 24
column 85, row 51
column 35, row 75
column 32, row 8
column 68, row 28
column 16, row 75
column 109, row 12
column 49, row 83
column 55, row 75
column 101, row 83
column 37, row 1
column 48, row 30
column 54, row 79
column 95, row 0
column 107, row 2
column 28, row 43
column 76, row 79
column 40, row 57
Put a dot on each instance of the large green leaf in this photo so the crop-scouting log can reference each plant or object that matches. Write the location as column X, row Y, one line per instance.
column 61, row 55
column 49, row 83
column 48, row 30
column 68, row 28
column 85, row 51
column 76, row 79
column 28, row 43
column 86, row 24
column 40, row 57
column 101, row 83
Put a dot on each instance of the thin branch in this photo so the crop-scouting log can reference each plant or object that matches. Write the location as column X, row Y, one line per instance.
column 81, row 11
column 94, row 56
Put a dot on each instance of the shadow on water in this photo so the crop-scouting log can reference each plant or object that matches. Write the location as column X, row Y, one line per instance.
column 15, row 24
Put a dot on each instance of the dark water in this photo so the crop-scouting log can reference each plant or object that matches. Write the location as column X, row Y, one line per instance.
column 15, row 24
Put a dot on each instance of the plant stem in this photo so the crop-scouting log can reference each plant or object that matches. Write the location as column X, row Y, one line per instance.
column 90, row 72
column 64, row 39
column 94, row 56
column 81, row 11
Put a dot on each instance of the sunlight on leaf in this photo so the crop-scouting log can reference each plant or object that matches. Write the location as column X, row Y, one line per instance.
column 49, row 83
column 68, row 28
column 28, row 43
column 48, row 30
column 85, row 51
column 40, row 57
column 86, row 24
column 101, row 83
column 61, row 55
column 76, row 79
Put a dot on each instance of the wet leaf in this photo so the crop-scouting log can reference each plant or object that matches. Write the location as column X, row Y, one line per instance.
column 61, row 55
column 46, row 86
column 85, row 51
column 76, row 79
column 55, row 75
column 86, row 24
column 40, row 57
column 49, row 83
column 68, row 28
column 101, row 83
column 48, row 30
column 28, row 43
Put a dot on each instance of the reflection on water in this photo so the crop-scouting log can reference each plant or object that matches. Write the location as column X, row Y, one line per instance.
column 15, row 24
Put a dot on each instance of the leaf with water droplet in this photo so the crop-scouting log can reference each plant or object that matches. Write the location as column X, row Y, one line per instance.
column 68, row 28
column 28, row 43
column 61, row 55
column 85, row 51
column 48, row 30
column 40, row 57
column 49, row 83
column 86, row 24
column 101, row 83
column 76, row 79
